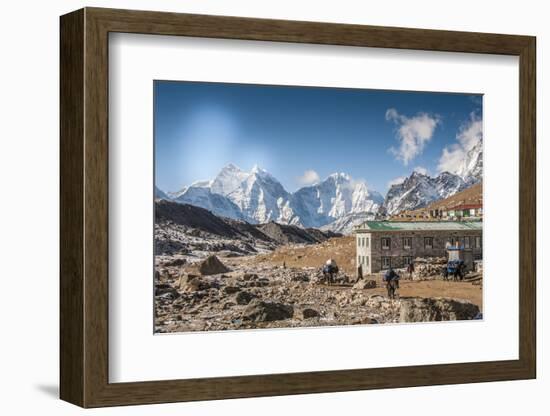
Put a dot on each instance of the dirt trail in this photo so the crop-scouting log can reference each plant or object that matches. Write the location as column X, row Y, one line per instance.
column 341, row 249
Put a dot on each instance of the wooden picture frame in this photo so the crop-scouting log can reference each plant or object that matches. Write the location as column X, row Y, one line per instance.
column 84, row 207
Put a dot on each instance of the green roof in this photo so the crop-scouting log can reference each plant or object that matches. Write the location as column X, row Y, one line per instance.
column 420, row 226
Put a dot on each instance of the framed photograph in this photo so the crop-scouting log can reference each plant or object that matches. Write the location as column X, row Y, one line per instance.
column 260, row 207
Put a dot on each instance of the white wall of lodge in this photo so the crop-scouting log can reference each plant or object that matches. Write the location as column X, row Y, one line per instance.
column 363, row 253
column 376, row 251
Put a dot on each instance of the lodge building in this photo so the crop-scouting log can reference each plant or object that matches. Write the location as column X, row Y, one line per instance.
column 381, row 244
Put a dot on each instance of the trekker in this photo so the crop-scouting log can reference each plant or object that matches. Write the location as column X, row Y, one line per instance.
column 330, row 270
column 392, row 282
column 410, row 269
column 359, row 272
column 462, row 271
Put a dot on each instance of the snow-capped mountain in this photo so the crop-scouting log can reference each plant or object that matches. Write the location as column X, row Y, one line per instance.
column 345, row 224
column 159, row 194
column 200, row 194
column 337, row 203
column 471, row 167
column 419, row 190
column 228, row 180
column 257, row 197
column 334, row 198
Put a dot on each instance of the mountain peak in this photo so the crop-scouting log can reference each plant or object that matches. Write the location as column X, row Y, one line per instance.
column 257, row 169
column 340, row 176
column 230, row 167
column 417, row 174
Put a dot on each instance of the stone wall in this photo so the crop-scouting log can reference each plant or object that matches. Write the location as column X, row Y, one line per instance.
column 397, row 251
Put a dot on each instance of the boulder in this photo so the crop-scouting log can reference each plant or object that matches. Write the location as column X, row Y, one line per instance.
column 186, row 278
column 166, row 292
column 231, row 289
column 212, row 265
column 436, row 309
column 244, row 298
column 250, row 276
column 310, row 313
column 365, row 284
column 300, row 277
column 194, row 284
column 176, row 262
column 260, row 311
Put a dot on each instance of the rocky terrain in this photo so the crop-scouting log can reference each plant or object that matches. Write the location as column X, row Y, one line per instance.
column 211, row 295
column 187, row 231
column 214, row 273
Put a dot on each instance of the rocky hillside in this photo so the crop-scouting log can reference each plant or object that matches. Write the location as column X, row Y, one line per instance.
column 187, row 229
column 419, row 190
column 471, row 195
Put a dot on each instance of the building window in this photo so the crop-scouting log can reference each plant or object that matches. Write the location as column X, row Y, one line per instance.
column 407, row 243
column 478, row 242
column 367, row 241
column 386, row 243
column 407, row 260
column 367, row 261
column 466, row 242
column 386, row 263
column 428, row 242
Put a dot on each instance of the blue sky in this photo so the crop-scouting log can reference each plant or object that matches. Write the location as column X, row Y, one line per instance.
column 300, row 134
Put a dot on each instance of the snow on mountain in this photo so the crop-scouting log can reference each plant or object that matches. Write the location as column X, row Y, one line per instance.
column 228, row 180
column 419, row 190
column 337, row 203
column 335, row 197
column 159, row 194
column 414, row 191
column 345, row 224
column 200, row 194
column 471, row 168
column 258, row 197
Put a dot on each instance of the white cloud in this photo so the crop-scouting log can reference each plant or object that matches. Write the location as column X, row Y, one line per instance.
column 422, row 170
column 469, row 134
column 309, row 177
column 396, row 181
column 412, row 133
